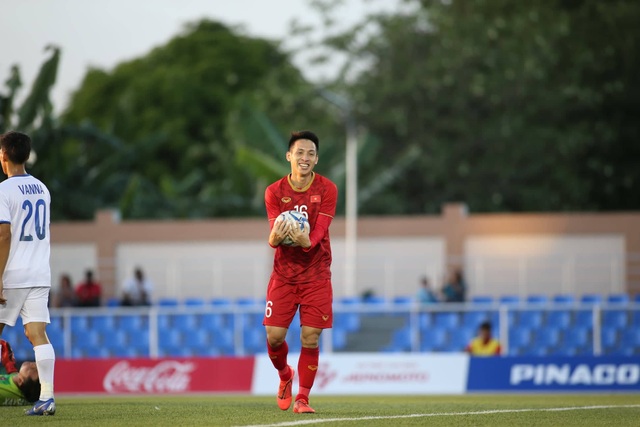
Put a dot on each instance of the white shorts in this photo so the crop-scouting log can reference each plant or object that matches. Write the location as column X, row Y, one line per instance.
column 30, row 303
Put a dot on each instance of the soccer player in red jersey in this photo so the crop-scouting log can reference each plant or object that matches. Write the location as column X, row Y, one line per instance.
column 301, row 276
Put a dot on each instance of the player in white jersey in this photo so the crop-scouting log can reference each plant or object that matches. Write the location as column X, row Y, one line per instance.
column 25, row 273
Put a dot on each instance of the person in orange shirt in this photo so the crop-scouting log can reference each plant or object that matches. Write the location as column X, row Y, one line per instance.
column 484, row 344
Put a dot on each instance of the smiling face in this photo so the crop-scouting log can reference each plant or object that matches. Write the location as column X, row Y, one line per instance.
column 303, row 156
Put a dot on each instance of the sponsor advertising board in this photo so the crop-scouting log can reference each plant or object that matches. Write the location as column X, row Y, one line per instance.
column 554, row 373
column 157, row 376
column 371, row 373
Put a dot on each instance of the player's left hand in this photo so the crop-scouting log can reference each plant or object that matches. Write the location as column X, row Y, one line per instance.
column 299, row 237
column 3, row 300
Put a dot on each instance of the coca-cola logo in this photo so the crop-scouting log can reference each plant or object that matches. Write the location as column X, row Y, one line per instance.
column 166, row 376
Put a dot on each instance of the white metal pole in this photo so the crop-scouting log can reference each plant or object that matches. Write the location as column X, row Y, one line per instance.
column 351, row 214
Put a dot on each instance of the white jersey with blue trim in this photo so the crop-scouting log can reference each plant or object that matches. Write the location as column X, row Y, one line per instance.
column 25, row 204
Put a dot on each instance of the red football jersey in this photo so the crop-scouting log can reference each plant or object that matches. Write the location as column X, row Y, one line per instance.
column 293, row 264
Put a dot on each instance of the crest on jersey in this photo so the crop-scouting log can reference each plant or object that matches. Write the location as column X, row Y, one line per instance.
column 286, row 199
column 315, row 199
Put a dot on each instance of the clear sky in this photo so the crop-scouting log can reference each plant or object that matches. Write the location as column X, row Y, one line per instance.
column 102, row 33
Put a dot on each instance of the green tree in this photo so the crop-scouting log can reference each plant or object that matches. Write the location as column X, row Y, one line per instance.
column 170, row 110
column 516, row 106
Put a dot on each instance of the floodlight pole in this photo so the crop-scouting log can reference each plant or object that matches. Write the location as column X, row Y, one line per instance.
column 351, row 196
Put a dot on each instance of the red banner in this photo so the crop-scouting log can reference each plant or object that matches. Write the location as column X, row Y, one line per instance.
column 155, row 376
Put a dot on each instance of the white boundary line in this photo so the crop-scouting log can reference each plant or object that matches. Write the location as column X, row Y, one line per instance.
column 441, row 414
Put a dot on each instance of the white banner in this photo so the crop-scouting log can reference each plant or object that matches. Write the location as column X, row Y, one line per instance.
column 373, row 373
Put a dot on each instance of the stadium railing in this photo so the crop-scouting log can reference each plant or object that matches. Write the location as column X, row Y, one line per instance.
column 234, row 329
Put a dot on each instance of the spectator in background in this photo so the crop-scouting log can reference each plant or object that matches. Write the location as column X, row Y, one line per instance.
column 137, row 290
column 425, row 294
column 88, row 292
column 454, row 290
column 65, row 297
column 484, row 344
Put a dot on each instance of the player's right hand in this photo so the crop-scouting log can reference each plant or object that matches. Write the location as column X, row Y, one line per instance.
column 279, row 232
column 3, row 300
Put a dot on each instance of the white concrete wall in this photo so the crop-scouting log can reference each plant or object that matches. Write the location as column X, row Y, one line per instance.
column 73, row 260
column 545, row 264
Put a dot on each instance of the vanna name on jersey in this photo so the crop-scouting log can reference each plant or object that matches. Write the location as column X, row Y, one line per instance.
column 31, row 189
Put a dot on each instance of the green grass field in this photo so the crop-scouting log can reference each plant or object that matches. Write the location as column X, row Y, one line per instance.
column 474, row 410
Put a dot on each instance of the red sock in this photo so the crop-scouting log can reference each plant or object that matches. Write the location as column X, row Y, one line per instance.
column 307, row 369
column 278, row 356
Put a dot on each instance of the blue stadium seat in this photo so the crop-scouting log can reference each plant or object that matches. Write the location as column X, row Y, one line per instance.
column 564, row 299
column 591, row 299
column 637, row 298
column 400, row 341
column 339, row 338
column 537, row 299
column 91, row 353
column 170, row 338
column 519, row 340
column 474, row 318
column 546, row 337
column 133, row 322
column 164, row 322
column 139, row 340
column 223, row 340
column 374, row 299
column 221, row 302
column 197, row 339
column 531, row 319
column 560, row 319
column 636, row 318
column 615, row 318
column 460, row 338
column 348, row 321
column 509, row 299
column 115, row 339
column 57, row 323
column 447, row 320
column 56, row 337
column 88, row 338
column 425, row 321
column 577, row 337
column 403, row 299
column 349, row 300
column 125, row 352
column 194, row 302
column 434, row 339
column 103, row 323
column 618, row 299
column 630, row 338
column 178, row 351
column 482, row 299
column 211, row 321
column 185, row 322
column 583, row 318
column 168, row 302
column 113, row 302
column 249, row 301
column 79, row 323
column 255, row 340
column 609, row 337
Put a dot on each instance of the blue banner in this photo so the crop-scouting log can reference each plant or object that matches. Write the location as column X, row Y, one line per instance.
column 554, row 373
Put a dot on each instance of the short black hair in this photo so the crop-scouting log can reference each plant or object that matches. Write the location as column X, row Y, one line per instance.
column 304, row 134
column 30, row 389
column 485, row 325
column 17, row 145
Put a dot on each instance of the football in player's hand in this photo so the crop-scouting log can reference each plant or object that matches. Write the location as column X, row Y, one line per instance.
column 294, row 219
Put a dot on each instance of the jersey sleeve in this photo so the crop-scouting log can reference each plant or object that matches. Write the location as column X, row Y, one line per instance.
column 271, row 203
column 5, row 211
column 329, row 201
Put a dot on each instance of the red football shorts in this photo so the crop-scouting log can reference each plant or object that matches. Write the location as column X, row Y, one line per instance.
column 314, row 300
